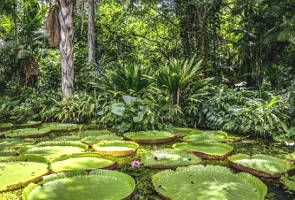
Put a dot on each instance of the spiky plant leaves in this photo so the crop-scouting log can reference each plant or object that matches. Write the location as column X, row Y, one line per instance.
column 116, row 148
column 90, row 140
column 51, row 150
column 17, row 172
column 169, row 158
column 210, row 182
column 260, row 165
column 206, row 150
column 289, row 182
column 27, row 133
column 150, row 136
column 81, row 161
column 58, row 127
column 99, row 184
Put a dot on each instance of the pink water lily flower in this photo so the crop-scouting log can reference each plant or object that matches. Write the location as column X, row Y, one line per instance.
column 136, row 163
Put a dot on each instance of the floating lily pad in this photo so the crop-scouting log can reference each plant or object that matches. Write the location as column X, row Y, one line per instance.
column 98, row 185
column 289, row 182
column 91, row 140
column 27, row 133
column 152, row 137
column 51, row 150
column 291, row 157
column 10, row 146
column 16, row 172
column 5, row 126
column 116, row 148
column 95, row 132
column 208, row 183
column 169, row 158
column 28, row 124
column 58, row 127
column 207, row 136
column 260, row 165
column 183, row 131
column 82, row 161
column 215, row 151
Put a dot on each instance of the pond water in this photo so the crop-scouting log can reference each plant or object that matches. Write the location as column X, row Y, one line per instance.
column 145, row 191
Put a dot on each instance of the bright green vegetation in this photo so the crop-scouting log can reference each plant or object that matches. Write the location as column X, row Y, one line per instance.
column 11, row 145
column 214, row 149
column 289, row 182
column 90, row 140
column 51, row 150
column 28, row 132
column 169, row 158
column 98, row 185
column 58, row 127
column 82, row 161
column 148, row 135
column 17, row 172
column 116, row 148
column 264, row 163
column 210, row 182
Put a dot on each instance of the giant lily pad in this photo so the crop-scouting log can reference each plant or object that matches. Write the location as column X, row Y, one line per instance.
column 5, row 126
column 11, row 145
column 208, row 183
column 51, row 150
column 28, row 124
column 289, row 182
column 82, row 161
column 215, row 151
column 98, row 185
column 169, row 158
column 152, row 137
column 16, row 172
column 260, row 165
column 91, row 140
column 95, row 132
column 116, row 148
column 27, row 133
column 209, row 136
column 291, row 157
column 58, row 127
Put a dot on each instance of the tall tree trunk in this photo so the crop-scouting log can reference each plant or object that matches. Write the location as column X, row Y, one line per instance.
column 91, row 33
column 66, row 46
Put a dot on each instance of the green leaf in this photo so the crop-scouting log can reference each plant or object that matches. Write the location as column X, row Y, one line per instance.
column 118, row 109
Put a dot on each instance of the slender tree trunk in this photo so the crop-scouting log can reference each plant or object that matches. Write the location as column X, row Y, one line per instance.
column 91, row 33
column 66, row 46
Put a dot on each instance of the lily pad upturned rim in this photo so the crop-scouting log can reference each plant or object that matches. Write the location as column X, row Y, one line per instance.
column 5, row 126
column 206, row 155
column 98, row 172
column 87, row 140
column 249, row 179
column 62, row 127
column 233, row 158
column 172, row 151
column 170, row 138
column 291, row 157
column 85, row 155
column 34, row 133
column 24, row 158
column 133, row 145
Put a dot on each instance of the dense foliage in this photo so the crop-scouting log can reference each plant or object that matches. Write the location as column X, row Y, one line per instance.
column 220, row 64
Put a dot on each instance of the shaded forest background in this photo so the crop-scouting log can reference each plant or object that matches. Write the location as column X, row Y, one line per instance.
column 215, row 64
